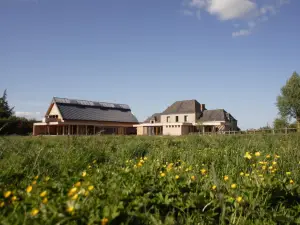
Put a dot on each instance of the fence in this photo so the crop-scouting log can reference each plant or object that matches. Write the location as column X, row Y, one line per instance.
column 260, row 131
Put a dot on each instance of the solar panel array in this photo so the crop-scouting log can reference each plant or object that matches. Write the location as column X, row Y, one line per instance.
column 92, row 103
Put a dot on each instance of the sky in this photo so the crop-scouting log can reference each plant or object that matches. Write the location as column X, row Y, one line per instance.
column 230, row 54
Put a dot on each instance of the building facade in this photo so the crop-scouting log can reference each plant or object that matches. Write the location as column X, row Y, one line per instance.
column 184, row 117
column 80, row 117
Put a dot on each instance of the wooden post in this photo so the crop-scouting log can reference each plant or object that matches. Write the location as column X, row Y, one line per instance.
column 286, row 130
column 94, row 130
column 86, row 131
column 63, row 129
column 69, row 130
column 48, row 130
column 77, row 127
column 273, row 131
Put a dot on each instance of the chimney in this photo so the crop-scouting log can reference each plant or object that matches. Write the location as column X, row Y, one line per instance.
column 202, row 107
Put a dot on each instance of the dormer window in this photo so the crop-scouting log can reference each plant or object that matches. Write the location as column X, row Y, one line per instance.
column 152, row 121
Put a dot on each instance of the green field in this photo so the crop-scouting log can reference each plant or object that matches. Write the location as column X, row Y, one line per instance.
column 150, row 180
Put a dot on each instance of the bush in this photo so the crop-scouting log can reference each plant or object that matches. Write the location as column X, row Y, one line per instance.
column 15, row 126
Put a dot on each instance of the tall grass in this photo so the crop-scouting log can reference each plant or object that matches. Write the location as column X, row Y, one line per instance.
column 151, row 180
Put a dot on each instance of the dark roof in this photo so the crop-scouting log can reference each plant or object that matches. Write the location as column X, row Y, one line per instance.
column 155, row 116
column 186, row 106
column 72, row 109
column 216, row 115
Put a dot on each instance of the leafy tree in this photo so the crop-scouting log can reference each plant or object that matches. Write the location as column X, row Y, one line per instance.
column 288, row 102
column 280, row 123
column 5, row 110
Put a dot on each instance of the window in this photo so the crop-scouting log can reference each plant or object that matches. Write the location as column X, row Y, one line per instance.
column 172, row 126
column 168, row 119
column 178, row 125
column 176, row 119
column 185, row 118
column 167, row 126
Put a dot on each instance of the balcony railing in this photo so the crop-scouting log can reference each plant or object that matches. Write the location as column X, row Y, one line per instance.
column 47, row 120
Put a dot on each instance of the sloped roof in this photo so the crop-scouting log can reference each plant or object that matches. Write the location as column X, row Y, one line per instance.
column 186, row 106
column 72, row 109
column 216, row 115
column 155, row 115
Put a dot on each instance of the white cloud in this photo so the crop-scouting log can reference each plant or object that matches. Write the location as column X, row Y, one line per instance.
column 245, row 14
column 29, row 115
column 242, row 32
column 187, row 12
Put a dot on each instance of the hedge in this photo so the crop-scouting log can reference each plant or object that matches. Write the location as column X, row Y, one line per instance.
column 16, row 126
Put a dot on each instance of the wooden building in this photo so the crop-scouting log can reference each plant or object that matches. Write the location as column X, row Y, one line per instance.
column 80, row 117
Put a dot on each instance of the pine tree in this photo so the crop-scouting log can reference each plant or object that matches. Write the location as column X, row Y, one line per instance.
column 5, row 110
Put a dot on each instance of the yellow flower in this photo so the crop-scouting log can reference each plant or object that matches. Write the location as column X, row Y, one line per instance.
column 45, row 200
column 226, row 178
column 203, row 171
column 29, row 189
column 75, row 197
column 274, row 163
column 86, row 193
column 247, row 175
column 70, row 209
column 270, row 167
column 34, row 212
column 263, row 167
column 89, row 166
column 7, row 194
column 247, row 155
column 77, row 184
column 277, row 156
column 291, row 182
column 193, row 177
column 43, row 194
column 176, row 177
column 145, row 158
column 162, row 174
column 72, row 191
column 257, row 154
column 139, row 164
column 268, row 156
column 83, row 174
column 14, row 198
column 233, row 186
column 2, row 204
column 36, row 177
column 91, row 187
column 34, row 182
column 239, row 199
column 214, row 187
column 242, row 174
column 260, row 175
column 104, row 221
column 94, row 161
column 47, row 178
column 288, row 173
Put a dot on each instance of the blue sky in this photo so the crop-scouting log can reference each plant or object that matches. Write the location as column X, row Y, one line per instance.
column 231, row 54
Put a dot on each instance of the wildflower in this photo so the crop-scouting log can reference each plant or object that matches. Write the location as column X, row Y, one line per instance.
column 94, row 161
column 247, row 155
column 247, row 175
column 145, row 158
column 268, row 156
column 203, row 171
column 29, row 189
column 214, row 187
column 270, row 167
column 91, row 187
column 260, row 175
column 274, row 163
column 277, row 156
column 77, row 184
column 34, row 182
column 193, row 177
column 45, row 200
column 233, row 186
column 257, row 154
column 34, row 212
column 291, row 181
column 47, row 178
column 86, row 193
column 89, row 166
column 72, row 191
column 226, row 178
column 288, row 173
column 127, row 161
column 75, row 197
column 139, row 164
column 70, row 209
column 104, row 221
column 83, row 174
column 176, row 177
column 273, row 171
column 2, row 204
column 162, row 174
column 253, row 165
column 7, row 194
column 263, row 167
column 239, row 199
column 14, row 198
column 36, row 177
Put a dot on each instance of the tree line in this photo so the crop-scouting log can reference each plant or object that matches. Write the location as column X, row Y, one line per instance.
column 11, row 124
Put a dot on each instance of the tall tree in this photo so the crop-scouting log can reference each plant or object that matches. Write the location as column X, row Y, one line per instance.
column 280, row 123
column 5, row 110
column 288, row 102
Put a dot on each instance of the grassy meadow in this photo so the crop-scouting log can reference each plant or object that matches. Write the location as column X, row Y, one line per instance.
column 251, row 179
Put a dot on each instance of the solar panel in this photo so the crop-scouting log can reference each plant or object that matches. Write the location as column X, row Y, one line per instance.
column 62, row 100
column 84, row 102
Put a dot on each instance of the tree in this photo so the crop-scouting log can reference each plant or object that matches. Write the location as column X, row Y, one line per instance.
column 5, row 110
column 288, row 102
column 280, row 123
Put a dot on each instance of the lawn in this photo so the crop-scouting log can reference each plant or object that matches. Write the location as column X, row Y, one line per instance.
column 251, row 179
